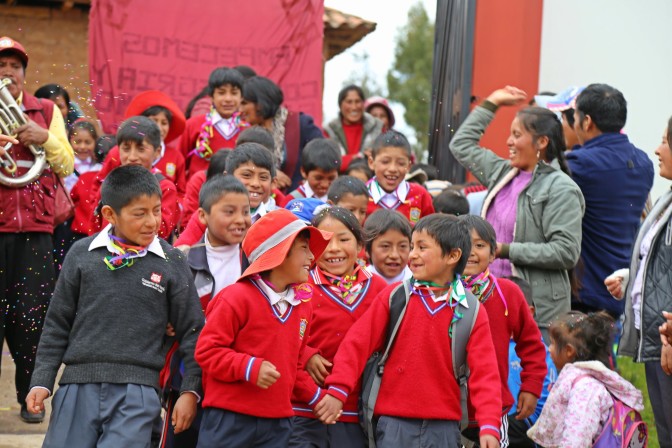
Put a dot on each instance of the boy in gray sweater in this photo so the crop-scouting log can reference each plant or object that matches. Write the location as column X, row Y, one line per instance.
column 107, row 321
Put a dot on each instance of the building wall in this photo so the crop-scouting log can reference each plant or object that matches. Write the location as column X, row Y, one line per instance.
column 57, row 45
column 619, row 42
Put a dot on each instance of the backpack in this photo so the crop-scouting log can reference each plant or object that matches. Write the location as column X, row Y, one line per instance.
column 624, row 427
column 375, row 366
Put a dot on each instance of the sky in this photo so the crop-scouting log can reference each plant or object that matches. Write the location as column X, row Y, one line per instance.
column 390, row 16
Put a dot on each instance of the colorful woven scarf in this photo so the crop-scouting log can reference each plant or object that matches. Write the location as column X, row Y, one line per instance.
column 125, row 254
column 456, row 295
column 203, row 149
column 345, row 286
column 482, row 286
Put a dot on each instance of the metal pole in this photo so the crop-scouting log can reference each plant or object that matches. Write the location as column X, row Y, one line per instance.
column 451, row 81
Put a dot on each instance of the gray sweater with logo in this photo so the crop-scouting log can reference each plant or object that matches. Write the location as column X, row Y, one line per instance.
column 109, row 326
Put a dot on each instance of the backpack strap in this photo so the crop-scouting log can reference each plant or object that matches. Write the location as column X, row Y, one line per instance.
column 458, row 346
column 398, row 301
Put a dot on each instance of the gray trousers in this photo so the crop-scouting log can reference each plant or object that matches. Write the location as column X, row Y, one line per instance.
column 393, row 432
column 102, row 415
column 312, row 433
column 660, row 393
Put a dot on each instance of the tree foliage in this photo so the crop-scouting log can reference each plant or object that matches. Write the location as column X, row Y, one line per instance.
column 409, row 81
column 364, row 78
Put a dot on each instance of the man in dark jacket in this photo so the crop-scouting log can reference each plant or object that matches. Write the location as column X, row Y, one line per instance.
column 615, row 178
column 27, row 221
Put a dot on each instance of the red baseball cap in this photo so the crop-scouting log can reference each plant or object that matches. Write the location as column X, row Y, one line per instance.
column 144, row 100
column 268, row 241
column 8, row 44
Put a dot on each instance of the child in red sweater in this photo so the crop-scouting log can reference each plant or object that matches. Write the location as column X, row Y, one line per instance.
column 510, row 318
column 255, row 335
column 343, row 291
column 139, row 141
column 162, row 110
column 390, row 160
column 419, row 397
column 205, row 134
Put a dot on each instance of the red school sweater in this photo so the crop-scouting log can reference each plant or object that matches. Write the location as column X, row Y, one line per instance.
column 241, row 332
column 418, row 203
column 520, row 325
column 332, row 318
column 189, row 142
column 171, row 165
column 84, row 203
column 418, row 382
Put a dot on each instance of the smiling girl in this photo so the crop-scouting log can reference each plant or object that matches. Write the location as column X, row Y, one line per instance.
column 343, row 291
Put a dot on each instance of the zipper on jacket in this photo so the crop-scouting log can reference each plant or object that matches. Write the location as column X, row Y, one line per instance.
column 18, row 209
column 640, row 344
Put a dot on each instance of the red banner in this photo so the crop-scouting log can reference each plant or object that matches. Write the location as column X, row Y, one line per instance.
column 137, row 45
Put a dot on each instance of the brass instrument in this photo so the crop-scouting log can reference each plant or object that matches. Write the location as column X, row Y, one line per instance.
column 11, row 118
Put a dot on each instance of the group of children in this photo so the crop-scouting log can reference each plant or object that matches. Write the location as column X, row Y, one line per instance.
column 257, row 332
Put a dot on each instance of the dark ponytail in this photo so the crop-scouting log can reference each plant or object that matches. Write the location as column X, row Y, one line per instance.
column 541, row 122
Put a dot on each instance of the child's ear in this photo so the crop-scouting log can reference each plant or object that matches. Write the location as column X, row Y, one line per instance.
column 370, row 160
column 202, row 216
column 454, row 256
column 109, row 214
column 570, row 352
column 330, row 202
column 303, row 173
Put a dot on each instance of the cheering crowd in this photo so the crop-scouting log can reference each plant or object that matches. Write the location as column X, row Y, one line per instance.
column 236, row 275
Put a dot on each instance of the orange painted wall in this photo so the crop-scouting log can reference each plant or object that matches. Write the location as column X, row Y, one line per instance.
column 507, row 47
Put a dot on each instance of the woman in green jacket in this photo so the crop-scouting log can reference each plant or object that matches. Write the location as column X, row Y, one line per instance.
column 533, row 204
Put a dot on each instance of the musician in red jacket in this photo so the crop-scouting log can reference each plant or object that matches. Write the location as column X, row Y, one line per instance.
column 27, row 220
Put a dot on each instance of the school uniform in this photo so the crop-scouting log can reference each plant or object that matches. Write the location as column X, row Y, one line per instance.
column 418, row 386
column 224, row 134
column 107, row 327
column 333, row 316
column 510, row 317
column 403, row 275
column 409, row 199
column 251, row 324
column 172, row 165
column 304, row 191
column 212, row 271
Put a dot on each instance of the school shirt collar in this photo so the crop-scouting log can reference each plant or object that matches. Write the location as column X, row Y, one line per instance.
column 103, row 240
column 163, row 153
column 403, row 275
column 318, row 277
column 398, row 196
column 274, row 297
column 309, row 193
column 226, row 126
column 458, row 294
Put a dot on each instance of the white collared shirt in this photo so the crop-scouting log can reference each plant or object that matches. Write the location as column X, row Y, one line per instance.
column 403, row 275
column 225, row 126
column 223, row 263
column 103, row 240
column 390, row 200
column 281, row 300
column 264, row 208
column 311, row 194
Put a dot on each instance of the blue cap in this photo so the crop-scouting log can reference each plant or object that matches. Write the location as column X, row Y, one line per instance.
column 306, row 208
column 560, row 102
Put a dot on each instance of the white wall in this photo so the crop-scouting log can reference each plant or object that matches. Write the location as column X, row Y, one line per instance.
column 624, row 43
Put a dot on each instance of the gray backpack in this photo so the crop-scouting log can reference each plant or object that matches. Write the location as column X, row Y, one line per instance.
column 375, row 366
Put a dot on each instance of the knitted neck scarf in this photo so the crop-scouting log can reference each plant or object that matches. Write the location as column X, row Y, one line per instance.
column 203, row 148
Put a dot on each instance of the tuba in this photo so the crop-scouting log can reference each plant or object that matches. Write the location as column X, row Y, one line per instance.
column 11, row 118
